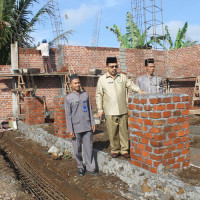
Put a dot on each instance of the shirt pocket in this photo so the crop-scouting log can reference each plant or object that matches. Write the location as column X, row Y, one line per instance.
column 75, row 120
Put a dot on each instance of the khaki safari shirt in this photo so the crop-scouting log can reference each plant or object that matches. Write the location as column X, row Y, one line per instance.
column 111, row 94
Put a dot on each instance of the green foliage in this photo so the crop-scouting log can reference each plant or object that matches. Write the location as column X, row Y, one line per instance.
column 180, row 41
column 17, row 23
column 132, row 38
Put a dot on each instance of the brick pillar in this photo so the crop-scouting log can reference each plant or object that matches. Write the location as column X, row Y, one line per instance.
column 159, row 131
column 34, row 110
column 59, row 117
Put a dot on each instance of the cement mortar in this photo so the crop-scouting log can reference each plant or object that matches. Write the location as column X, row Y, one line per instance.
column 143, row 183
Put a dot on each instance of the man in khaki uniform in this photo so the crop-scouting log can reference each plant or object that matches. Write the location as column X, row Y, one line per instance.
column 111, row 95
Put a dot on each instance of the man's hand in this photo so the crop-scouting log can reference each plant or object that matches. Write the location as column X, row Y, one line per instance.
column 142, row 92
column 93, row 128
column 72, row 135
column 100, row 114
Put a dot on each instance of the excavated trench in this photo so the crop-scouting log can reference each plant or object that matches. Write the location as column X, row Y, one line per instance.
column 30, row 170
column 47, row 178
column 31, row 180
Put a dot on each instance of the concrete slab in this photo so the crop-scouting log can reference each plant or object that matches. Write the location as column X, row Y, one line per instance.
column 195, row 130
column 195, row 156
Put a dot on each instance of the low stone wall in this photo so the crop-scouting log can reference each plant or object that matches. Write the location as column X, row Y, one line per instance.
column 143, row 184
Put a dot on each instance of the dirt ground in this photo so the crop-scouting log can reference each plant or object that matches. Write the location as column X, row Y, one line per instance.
column 10, row 187
column 190, row 175
column 62, row 174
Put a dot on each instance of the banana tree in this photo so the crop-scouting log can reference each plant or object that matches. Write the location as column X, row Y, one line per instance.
column 180, row 41
column 123, row 39
column 132, row 38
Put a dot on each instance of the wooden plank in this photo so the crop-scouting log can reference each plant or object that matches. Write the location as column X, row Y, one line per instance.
column 195, row 111
column 196, row 98
column 22, row 90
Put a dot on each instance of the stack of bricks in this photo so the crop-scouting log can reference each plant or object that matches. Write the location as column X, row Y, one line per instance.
column 34, row 110
column 159, row 131
column 59, row 118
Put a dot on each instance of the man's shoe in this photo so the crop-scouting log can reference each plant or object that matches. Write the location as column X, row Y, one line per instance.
column 126, row 155
column 115, row 155
column 81, row 172
column 92, row 173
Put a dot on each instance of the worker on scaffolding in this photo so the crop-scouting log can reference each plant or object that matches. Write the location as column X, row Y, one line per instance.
column 44, row 48
column 80, row 125
column 149, row 82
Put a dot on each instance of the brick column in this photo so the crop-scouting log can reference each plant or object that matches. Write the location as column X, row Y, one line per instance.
column 159, row 131
column 59, row 117
column 34, row 110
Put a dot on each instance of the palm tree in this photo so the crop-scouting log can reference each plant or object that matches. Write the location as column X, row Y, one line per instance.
column 17, row 23
column 180, row 41
column 132, row 38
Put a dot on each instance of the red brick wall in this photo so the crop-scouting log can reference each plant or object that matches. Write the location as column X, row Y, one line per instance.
column 135, row 61
column 89, row 85
column 159, row 131
column 31, row 58
column 184, row 62
column 49, row 87
column 178, row 63
column 84, row 58
column 175, row 63
column 6, row 99
column 34, row 110
column 60, row 126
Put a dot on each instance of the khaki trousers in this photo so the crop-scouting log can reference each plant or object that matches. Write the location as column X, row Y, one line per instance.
column 118, row 133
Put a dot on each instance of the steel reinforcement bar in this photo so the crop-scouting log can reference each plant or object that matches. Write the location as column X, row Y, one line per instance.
column 33, row 182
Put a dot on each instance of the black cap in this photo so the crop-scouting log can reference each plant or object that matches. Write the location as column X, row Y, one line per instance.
column 149, row 60
column 111, row 60
column 72, row 77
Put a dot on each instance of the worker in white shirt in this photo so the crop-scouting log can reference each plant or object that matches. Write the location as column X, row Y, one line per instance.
column 44, row 48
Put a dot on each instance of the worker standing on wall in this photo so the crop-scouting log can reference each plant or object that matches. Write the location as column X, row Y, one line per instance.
column 80, row 125
column 111, row 96
column 44, row 48
column 149, row 82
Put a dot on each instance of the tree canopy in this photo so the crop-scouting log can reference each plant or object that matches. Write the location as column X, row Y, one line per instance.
column 17, row 22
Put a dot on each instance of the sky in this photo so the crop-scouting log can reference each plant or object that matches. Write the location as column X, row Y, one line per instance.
column 82, row 20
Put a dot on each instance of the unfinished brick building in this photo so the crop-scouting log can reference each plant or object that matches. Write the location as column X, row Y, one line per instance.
column 180, row 67
column 159, row 128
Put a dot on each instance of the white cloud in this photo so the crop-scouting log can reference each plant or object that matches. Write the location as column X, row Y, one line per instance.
column 80, row 15
column 107, row 3
column 111, row 3
column 173, row 27
column 193, row 32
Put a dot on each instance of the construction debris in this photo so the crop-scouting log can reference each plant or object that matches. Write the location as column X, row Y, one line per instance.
column 8, row 124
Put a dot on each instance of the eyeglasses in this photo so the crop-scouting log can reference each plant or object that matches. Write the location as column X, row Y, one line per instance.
column 113, row 66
